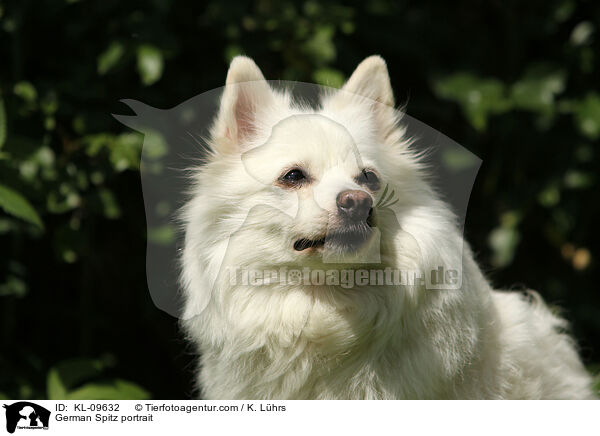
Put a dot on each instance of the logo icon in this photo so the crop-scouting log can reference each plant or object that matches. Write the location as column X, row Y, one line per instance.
column 26, row 415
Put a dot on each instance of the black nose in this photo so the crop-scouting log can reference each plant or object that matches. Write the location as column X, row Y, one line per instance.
column 354, row 205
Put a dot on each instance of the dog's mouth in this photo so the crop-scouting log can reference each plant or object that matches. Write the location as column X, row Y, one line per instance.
column 346, row 238
column 304, row 244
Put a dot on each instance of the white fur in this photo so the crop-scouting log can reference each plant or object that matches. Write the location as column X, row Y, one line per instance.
column 326, row 342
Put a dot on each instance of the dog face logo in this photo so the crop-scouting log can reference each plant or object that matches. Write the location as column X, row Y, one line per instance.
column 315, row 185
column 26, row 415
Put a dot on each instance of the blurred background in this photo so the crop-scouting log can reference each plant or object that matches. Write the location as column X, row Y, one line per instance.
column 516, row 83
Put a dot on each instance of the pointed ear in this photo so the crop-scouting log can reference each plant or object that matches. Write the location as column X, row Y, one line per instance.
column 371, row 80
column 245, row 95
column 370, row 87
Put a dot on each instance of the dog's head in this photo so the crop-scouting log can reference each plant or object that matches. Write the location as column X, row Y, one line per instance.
column 291, row 184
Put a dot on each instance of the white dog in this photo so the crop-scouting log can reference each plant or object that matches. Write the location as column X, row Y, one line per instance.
column 284, row 187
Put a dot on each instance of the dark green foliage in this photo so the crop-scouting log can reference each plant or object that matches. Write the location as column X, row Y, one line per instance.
column 514, row 82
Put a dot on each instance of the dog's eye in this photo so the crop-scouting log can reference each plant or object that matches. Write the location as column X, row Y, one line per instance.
column 294, row 176
column 369, row 179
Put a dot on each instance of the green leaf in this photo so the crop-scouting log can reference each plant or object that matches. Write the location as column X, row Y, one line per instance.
column 596, row 387
column 578, row 179
column 320, row 46
column 503, row 241
column 110, row 57
column 109, row 390
column 110, row 205
column 549, row 197
column 15, row 204
column 2, row 123
column 49, row 104
column 150, row 64
column 13, row 286
column 126, row 151
column 537, row 90
column 97, row 142
column 564, row 10
column 582, row 33
column 64, row 382
column 26, row 91
column 55, row 387
column 69, row 373
column 478, row 97
column 587, row 116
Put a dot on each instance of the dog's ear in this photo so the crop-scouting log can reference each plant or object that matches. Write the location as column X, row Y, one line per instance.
column 246, row 93
column 370, row 86
column 371, row 80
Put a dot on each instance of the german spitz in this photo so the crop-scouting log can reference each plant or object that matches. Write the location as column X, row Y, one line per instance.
column 296, row 190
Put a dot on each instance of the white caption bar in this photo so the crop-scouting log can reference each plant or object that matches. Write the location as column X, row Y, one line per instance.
column 298, row 417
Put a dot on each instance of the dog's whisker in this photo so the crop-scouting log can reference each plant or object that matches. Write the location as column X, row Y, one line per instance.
column 381, row 199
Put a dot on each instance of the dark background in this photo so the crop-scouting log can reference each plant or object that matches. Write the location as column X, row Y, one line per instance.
column 514, row 82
